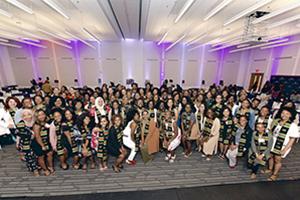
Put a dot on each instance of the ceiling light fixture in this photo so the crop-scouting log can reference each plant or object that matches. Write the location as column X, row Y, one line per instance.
column 197, row 39
column 242, row 45
column 56, row 7
column 185, row 8
column 60, row 44
column 219, row 7
column 276, row 12
column 176, row 42
column 284, row 21
column 81, row 40
column 91, row 34
column 5, row 13
column 20, row 6
column 283, row 44
column 259, row 45
column 163, row 38
column 10, row 45
column 3, row 40
column 247, row 11
column 54, row 35
column 195, row 47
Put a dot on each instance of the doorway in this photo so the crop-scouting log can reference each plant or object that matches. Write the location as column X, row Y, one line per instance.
column 256, row 82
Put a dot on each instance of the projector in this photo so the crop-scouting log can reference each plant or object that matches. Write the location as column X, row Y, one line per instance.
column 258, row 14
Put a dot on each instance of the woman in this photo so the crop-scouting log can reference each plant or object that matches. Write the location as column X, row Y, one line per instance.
column 218, row 106
column 58, row 140
column 284, row 133
column 200, row 120
column 226, row 130
column 101, row 109
column 211, row 135
column 24, row 131
column 129, row 135
column 259, row 153
column 42, row 142
column 187, row 123
column 116, row 109
column 115, row 144
column 101, row 134
column 6, row 125
column 264, row 118
column 172, row 136
column 241, row 141
column 85, row 127
column 72, row 135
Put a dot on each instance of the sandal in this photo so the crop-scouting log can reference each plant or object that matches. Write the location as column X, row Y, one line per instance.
column 51, row 170
column 273, row 177
column 36, row 173
column 65, row 168
column 116, row 169
column 76, row 166
column 47, row 173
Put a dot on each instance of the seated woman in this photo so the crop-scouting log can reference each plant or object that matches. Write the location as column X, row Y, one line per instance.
column 210, row 135
column 172, row 136
column 241, row 141
column 284, row 132
column 259, row 153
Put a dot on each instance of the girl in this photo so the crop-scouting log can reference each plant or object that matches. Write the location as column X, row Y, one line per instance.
column 218, row 106
column 85, row 127
column 129, row 134
column 284, row 133
column 259, row 153
column 172, row 137
column 225, row 132
column 24, row 131
column 57, row 139
column 210, row 135
column 68, row 128
column 115, row 144
column 187, row 123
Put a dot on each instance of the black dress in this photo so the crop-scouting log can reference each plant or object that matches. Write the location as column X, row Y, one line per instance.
column 114, row 141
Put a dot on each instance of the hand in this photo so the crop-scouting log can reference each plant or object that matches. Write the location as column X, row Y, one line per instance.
column 233, row 147
column 260, row 156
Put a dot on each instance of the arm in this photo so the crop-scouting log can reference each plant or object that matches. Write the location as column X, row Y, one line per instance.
column 133, row 127
column 253, row 146
column 36, row 130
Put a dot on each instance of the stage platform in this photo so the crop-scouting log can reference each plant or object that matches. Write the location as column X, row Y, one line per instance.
column 15, row 181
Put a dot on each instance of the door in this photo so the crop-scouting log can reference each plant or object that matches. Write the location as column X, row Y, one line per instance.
column 256, row 81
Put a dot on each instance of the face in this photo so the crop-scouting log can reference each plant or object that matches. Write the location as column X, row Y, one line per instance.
column 103, row 122
column 184, row 101
column 140, row 103
column 27, row 116
column 38, row 100
column 188, row 108
column 264, row 112
column 255, row 103
column 260, row 128
column 170, row 103
column 92, row 100
column 86, row 120
column 12, row 104
column 136, row 117
column 58, row 102
column 285, row 115
column 219, row 99
column 57, row 117
column 41, row 116
column 56, row 91
column 245, row 104
column 243, row 121
column 226, row 113
column 202, row 108
column 210, row 113
column 78, row 106
column 68, row 115
column 118, row 121
column 151, row 105
column 115, row 105
column 27, row 103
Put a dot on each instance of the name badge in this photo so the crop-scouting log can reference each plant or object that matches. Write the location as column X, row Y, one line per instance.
column 261, row 140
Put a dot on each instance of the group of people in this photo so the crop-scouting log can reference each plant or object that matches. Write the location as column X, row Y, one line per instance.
column 88, row 126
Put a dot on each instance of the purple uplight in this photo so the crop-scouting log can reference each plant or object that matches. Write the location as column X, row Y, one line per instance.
column 277, row 51
column 77, row 61
column 162, row 63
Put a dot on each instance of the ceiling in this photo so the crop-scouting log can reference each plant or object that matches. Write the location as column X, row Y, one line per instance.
column 148, row 20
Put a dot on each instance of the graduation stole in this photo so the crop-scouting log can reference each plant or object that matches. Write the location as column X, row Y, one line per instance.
column 186, row 120
column 229, row 124
column 217, row 109
column 260, row 146
column 169, row 128
column 102, row 137
column 25, row 135
column 281, row 136
column 239, row 114
column 200, row 119
column 242, row 143
column 12, row 113
column 44, row 132
column 119, row 134
column 207, row 127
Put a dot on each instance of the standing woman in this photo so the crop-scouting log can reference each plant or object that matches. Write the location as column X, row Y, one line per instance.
column 72, row 137
column 218, row 106
column 284, row 133
column 212, row 132
column 85, row 127
column 226, row 131
column 115, row 143
column 42, row 142
column 24, row 131
column 172, row 136
column 200, row 120
column 187, row 123
column 101, row 133
column 6, row 125
column 57, row 139
column 129, row 135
